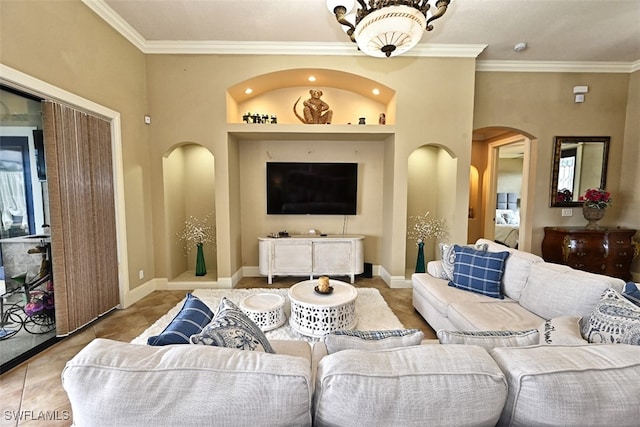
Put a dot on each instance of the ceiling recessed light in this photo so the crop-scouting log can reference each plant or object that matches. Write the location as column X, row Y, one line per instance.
column 312, row 78
column 376, row 91
column 248, row 90
column 519, row 47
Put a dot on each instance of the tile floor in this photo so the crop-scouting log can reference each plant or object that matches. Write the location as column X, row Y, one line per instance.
column 33, row 390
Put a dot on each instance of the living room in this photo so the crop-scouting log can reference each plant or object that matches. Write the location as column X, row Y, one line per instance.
column 436, row 105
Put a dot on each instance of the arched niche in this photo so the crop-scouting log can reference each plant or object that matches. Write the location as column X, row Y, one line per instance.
column 431, row 187
column 188, row 172
column 350, row 96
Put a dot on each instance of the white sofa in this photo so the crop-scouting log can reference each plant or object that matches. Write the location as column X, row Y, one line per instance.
column 113, row 383
column 569, row 383
column 534, row 291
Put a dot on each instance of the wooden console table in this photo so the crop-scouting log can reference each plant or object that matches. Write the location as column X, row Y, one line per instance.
column 607, row 251
column 305, row 255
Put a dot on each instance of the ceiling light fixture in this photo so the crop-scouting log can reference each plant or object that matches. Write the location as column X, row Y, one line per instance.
column 312, row 78
column 387, row 27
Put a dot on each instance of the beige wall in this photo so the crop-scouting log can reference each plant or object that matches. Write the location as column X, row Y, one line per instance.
column 542, row 105
column 629, row 194
column 186, row 96
column 66, row 45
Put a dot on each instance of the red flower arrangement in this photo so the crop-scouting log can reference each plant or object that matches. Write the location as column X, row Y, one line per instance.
column 596, row 198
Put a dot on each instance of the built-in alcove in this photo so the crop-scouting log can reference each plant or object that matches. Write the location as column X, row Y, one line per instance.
column 189, row 191
column 349, row 96
column 430, row 170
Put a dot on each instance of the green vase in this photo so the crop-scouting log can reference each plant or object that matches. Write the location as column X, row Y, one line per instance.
column 420, row 261
column 201, row 268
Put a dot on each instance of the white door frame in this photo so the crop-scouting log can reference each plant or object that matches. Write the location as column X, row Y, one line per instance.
column 528, row 167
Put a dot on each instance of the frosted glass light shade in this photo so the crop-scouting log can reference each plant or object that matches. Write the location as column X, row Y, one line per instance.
column 390, row 31
column 332, row 4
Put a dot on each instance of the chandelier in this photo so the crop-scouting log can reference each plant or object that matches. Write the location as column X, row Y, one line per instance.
column 386, row 27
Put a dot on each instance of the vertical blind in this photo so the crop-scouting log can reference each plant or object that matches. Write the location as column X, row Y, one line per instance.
column 82, row 215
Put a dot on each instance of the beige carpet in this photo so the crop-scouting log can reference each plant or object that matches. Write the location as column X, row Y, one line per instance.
column 372, row 312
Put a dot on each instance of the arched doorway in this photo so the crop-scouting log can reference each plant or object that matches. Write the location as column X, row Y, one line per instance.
column 189, row 194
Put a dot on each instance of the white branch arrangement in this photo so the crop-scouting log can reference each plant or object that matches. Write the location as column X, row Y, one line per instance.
column 198, row 231
column 425, row 228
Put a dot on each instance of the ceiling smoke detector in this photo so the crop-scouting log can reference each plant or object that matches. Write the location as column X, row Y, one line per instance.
column 519, row 47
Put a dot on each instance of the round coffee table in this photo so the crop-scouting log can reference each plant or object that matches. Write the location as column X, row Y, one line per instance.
column 265, row 309
column 315, row 315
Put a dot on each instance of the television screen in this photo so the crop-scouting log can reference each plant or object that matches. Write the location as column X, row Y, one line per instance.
column 312, row 188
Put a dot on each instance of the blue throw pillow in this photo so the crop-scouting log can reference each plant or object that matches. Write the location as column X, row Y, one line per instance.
column 192, row 318
column 478, row 271
column 632, row 293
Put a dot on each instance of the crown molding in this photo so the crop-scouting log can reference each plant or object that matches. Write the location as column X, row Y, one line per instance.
column 104, row 11
column 558, row 66
column 301, row 48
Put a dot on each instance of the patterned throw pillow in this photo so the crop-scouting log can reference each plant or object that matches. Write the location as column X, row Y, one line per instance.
column 564, row 330
column 449, row 257
column 632, row 293
column 344, row 339
column 478, row 271
column 490, row 339
column 192, row 317
column 232, row 328
column 614, row 320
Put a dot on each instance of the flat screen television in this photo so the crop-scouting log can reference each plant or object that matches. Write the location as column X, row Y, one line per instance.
column 312, row 188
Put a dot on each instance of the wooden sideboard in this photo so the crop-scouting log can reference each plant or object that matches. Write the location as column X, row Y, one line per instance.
column 607, row 251
column 309, row 256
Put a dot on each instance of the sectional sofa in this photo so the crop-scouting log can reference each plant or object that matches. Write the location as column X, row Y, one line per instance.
column 538, row 371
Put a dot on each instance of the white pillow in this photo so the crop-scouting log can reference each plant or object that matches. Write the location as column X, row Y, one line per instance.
column 564, row 330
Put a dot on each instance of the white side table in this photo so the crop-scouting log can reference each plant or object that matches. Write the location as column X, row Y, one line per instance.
column 315, row 314
column 265, row 309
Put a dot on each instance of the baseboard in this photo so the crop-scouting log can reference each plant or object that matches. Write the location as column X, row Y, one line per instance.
column 136, row 294
column 393, row 281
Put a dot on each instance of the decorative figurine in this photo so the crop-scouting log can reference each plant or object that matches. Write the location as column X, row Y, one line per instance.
column 316, row 111
column 382, row 119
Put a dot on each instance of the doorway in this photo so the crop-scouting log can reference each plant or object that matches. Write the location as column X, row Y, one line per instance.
column 504, row 161
column 27, row 320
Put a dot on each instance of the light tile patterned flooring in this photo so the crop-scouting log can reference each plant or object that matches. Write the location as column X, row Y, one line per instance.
column 31, row 394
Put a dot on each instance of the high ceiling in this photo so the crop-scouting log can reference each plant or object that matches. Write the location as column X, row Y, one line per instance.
column 554, row 30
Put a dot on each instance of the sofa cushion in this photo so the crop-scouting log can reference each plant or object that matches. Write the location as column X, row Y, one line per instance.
column 232, row 328
column 489, row 316
column 590, row 385
column 632, row 293
column 490, row 339
column 615, row 320
column 564, row 330
column 516, row 268
column 478, row 271
column 344, row 339
column 420, row 385
column 448, row 257
column 440, row 294
column 112, row 383
column 555, row 290
column 192, row 317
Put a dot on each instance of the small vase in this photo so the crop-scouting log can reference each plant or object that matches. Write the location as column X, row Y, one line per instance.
column 592, row 215
column 420, row 260
column 201, row 268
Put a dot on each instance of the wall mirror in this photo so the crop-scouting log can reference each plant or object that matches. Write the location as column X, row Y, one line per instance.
column 579, row 163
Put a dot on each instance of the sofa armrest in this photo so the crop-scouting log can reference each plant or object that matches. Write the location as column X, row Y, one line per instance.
column 435, row 268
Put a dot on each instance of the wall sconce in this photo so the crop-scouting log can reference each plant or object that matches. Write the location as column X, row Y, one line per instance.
column 579, row 92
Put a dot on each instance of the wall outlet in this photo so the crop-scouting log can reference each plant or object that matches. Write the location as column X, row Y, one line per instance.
column 141, row 274
column 567, row 212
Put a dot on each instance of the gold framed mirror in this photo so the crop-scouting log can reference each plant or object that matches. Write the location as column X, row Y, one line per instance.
column 579, row 163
